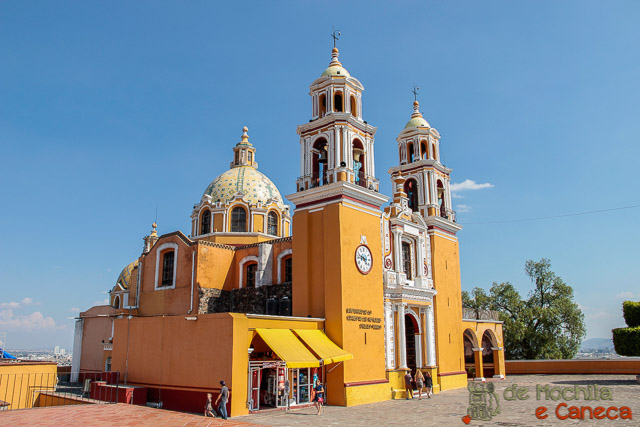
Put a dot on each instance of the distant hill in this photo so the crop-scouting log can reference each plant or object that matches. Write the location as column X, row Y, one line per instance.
column 597, row 344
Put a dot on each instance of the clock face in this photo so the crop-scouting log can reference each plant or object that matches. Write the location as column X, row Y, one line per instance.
column 364, row 260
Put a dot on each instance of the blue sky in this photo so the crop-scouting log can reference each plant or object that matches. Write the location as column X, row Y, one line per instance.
column 111, row 109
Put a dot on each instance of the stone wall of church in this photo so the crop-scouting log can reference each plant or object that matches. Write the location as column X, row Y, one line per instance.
column 274, row 300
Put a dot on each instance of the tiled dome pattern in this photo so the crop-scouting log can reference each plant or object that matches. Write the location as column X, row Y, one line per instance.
column 255, row 186
column 125, row 275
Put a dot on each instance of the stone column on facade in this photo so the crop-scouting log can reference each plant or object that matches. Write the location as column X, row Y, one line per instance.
column 402, row 338
column 424, row 338
column 388, row 334
column 498, row 361
column 477, row 357
column 397, row 250
column 418, row 343
column 430, row 336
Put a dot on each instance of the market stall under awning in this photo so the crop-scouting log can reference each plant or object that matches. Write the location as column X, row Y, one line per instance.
column 288, row 348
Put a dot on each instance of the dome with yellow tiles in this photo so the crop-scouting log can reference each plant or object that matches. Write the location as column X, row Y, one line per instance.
column 125, row 275
column 335, row 67
column 417, row 121
column 254, row 185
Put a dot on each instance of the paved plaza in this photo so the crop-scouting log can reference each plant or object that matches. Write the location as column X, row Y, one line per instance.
column 445, row 409
column 449, row 407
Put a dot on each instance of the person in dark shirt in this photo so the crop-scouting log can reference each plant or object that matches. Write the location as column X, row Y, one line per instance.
column 408, row 387
column 318, row 396
column 223, row 398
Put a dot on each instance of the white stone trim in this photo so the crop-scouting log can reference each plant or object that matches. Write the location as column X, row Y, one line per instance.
column 244, row 261
column 162, row 247
column 279, row 261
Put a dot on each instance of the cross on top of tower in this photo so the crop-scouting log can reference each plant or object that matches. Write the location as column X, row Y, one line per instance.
column 336, row 36
column 415, row 92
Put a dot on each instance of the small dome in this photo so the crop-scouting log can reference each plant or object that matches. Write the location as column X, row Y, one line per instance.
column 125, row 275
column 335, row 67
column 417, row 121
column 255, row 186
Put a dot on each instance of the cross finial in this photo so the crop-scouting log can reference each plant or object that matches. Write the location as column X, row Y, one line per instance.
column 336, row 36
column 415, row 92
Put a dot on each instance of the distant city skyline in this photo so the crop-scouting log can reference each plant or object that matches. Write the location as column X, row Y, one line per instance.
column 538, row 119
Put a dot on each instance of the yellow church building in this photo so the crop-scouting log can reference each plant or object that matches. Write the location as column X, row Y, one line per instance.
column 354, row 289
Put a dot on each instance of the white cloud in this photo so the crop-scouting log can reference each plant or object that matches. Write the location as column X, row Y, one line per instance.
column 463, row 208
column 469, row 184
column 103, row 302
column 26, row 301
column 627, row 295
column 75, row 310
column 28, row 322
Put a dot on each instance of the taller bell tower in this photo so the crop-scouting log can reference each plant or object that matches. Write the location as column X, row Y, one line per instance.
column 336, row 144
column 425, row 187
column 337, row 266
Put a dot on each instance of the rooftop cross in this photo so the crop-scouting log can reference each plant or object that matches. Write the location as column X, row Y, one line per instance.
column 335, row 34
column 415, row 92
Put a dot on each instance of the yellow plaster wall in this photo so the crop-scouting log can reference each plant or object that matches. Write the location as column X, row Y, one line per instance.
column 19, row 380
column 218, row 222
column 447, row 312
column 327, row 282
column 258, row 223
column 213, row 266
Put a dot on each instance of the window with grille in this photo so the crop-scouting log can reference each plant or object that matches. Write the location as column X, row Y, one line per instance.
column 167, row 268
column 406, row 259
column 205, row 224
column 251, row 275
column 272, row 224
column 288, row 276
column 238, row 220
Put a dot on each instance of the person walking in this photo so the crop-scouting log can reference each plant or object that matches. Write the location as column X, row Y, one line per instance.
column 428, row 384
column 419, row 383
column 208, row 407
column 318, row 396
column 408, row 388
column 223, row 398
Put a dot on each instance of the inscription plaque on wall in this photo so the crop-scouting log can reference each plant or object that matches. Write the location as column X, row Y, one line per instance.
column 364, row 318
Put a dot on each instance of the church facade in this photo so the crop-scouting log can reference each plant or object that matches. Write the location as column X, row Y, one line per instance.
column 350, row 290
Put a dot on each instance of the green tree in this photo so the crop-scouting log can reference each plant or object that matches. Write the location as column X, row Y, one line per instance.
column 546, row 325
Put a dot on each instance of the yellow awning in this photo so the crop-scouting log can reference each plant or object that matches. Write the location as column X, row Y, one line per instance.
column 323, row 346
column 288, row 348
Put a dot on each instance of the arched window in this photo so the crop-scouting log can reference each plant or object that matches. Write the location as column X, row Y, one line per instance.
column 411, row 188
column 237, row 157
column 441, row 201
column 424, row 153
column 337, row 102
column 406, row 259
column 251, row 275
column 288, row 270
column 411, row 154
column 205, row 222
column 272, row 223
column 354, row 106
column 168, row 259
column 238, row 220
column 323, row 105
column 116, row 302
column 358, row 163
column 319, row 158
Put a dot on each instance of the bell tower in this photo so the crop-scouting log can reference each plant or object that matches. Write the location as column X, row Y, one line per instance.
column 336, row 144
column 423, row 183
column 337, row 262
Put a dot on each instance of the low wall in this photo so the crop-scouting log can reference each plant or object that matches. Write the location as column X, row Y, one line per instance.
column 624, row 366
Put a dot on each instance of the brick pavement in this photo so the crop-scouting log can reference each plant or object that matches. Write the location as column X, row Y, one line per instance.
column 109, row 415
column 448, row 408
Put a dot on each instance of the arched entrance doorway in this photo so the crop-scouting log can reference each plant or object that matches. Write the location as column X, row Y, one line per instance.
column 412, row 332
column 487, row 354
column 470, row 365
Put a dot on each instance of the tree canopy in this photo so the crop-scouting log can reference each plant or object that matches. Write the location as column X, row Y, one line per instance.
column 548, row 324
